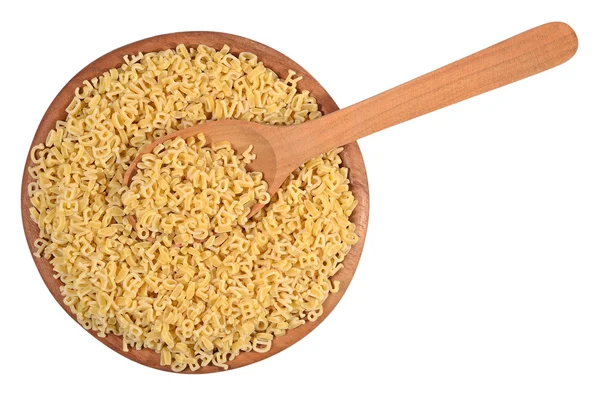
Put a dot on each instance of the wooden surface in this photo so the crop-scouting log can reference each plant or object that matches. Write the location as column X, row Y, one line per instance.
column 281, row 149
column 351, row 158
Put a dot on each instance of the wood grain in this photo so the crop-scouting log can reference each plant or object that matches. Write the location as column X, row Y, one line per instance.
column 519, row 57
column 351, row 157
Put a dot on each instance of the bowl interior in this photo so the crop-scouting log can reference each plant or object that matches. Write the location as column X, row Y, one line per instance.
column 351, row 157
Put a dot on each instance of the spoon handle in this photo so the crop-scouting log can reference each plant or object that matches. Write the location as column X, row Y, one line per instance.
column 521, row 56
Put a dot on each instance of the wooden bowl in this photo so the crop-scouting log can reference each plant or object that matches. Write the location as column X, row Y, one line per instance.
column 351, row 157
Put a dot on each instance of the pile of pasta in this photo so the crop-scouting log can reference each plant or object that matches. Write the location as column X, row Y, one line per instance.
column 232, row 284
column 184, row 192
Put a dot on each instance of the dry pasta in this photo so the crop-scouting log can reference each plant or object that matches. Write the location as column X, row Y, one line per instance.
column 233, row 284
column 184, row 192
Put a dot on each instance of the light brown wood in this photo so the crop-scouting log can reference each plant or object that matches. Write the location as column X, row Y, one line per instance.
column 280, row 150
column 351, row 158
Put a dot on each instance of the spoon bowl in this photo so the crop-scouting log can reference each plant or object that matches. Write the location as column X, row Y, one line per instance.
column 241, row 135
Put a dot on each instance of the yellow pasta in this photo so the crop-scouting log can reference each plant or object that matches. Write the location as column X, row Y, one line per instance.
column 185, row 192
column 195, row 279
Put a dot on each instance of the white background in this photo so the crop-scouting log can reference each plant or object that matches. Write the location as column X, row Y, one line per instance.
column 480, row 277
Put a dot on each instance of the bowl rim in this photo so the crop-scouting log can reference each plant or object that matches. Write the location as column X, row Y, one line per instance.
column 273, row 59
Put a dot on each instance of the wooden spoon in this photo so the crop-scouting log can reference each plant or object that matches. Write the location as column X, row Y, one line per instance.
column 281, row 149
